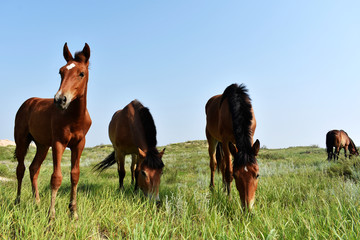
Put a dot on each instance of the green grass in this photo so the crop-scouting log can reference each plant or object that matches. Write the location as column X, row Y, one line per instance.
column 300, row 196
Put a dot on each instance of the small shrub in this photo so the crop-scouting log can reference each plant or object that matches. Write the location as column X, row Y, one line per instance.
column 348, row 168
column 4, row 170
column 314, row 146
column 7, row 153
column 271, row 156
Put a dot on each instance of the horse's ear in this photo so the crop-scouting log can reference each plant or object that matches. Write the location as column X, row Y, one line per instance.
column 233, row 149
column 142, row 154
column 86, row 52
column 67, row 54
column 162, row 152
column 256, row 147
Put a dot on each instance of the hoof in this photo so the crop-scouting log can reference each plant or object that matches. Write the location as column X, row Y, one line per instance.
column 74, row 216
column 51, row 215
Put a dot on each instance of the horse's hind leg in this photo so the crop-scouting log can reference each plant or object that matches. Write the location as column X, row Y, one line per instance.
column 120, row 159
column 22, row 145
column 212, row 151
column 34, row 169
column 333, row 154
column 330, row 153
column 132, row 167
column 337, row 152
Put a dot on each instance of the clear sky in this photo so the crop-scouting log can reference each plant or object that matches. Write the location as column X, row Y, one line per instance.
column 299, row 59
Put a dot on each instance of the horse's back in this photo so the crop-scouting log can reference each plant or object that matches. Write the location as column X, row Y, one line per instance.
column 345, row 139
column 124, row 129
column 32, row 105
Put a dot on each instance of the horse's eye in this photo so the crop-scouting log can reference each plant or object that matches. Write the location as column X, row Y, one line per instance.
column 82, row 74
column 257, row 176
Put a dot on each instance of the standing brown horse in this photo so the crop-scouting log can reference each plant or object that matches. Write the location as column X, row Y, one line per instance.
column 230, row 120
column 339, row 139
column 132, row 131
column 58, row 122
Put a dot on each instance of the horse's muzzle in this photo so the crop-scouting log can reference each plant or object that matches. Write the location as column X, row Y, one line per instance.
column 61, row 102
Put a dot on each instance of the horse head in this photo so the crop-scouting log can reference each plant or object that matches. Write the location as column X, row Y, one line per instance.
column 354, row 151
column 246, row 177
column 352, row 148
column 74, row 77
column 150, row 173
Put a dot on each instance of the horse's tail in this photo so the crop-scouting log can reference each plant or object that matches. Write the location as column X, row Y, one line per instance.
column 240, row 108
column 106, row 163
column 329, row 141
column 332, row 139
column 219, row 155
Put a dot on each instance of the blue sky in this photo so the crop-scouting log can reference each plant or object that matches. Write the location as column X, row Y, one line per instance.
column 299, row 59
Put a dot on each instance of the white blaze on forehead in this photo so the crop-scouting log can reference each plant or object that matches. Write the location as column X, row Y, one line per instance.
column 70, row 66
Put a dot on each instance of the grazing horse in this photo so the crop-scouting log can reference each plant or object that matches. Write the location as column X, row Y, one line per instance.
column 230, row 120
column 58, row 122
column 132, row 131
column 339, row 139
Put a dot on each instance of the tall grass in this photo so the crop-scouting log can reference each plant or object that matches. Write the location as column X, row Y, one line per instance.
column 299, row 196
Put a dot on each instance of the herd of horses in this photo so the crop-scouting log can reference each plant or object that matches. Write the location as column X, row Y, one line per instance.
column 64, row 121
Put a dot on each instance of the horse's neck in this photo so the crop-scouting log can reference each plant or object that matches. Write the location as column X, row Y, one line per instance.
column 77, row 108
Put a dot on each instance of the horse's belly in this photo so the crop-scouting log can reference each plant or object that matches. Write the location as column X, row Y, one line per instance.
column 40, row 130
column 125, row 146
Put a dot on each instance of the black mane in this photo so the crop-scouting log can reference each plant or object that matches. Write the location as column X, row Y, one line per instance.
column 148, row 124
column 240, row 109
column 352, row 144
column 152, row 159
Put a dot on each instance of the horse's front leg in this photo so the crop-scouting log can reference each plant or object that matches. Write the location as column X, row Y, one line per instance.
column 56, row 178
column 74, row 176
column 132, row 167
column 228, row 166
column 345, row 150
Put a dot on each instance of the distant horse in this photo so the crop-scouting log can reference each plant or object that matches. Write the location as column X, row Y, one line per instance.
column 58, row 122
column 230, row 120
column 339, row 139
column 132, row 131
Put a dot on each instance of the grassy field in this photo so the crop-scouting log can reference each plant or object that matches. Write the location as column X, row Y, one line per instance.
column 300, row 196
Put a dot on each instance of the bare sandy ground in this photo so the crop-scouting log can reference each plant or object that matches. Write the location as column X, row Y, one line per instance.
column 5, row 142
